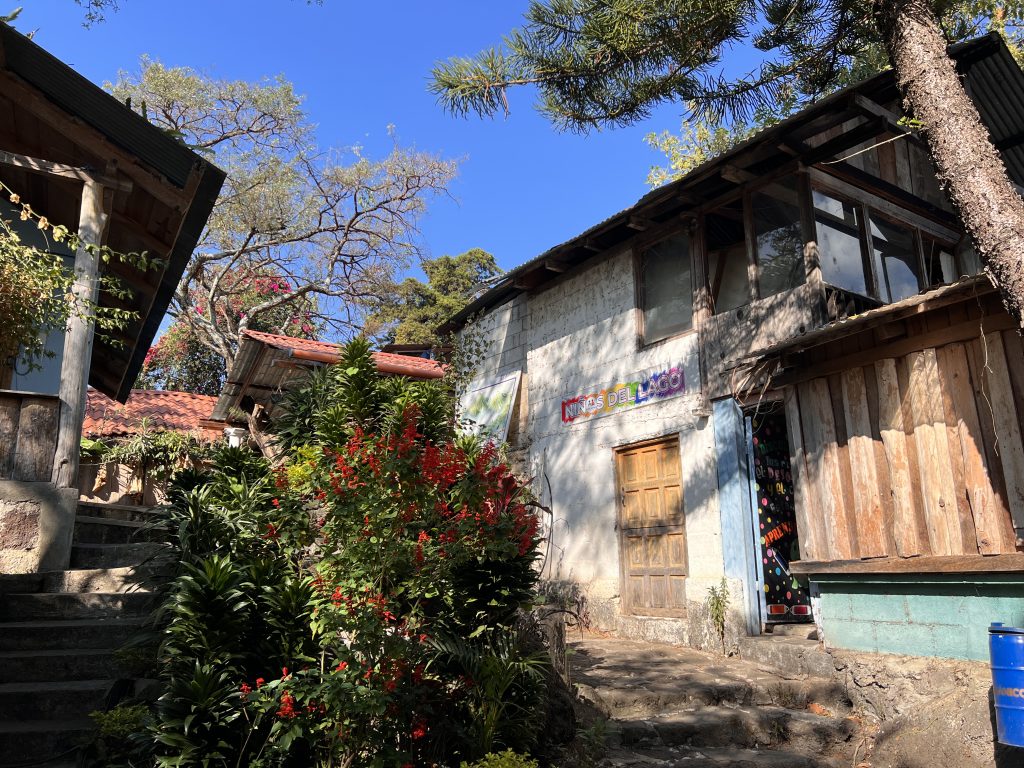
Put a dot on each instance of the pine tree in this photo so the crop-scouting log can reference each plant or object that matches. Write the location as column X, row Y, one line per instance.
column 599, row 63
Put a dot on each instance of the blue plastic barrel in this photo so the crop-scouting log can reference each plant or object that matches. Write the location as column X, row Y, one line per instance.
column 1006, row 649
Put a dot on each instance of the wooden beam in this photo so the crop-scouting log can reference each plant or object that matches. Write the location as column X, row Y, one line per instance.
column 892, row 120
column 639, row 223
column 35, row 165
column 23, row 94
column 553, row 265
column 737, row 175
column 1011, row 563
column 965, row 331
column 78, row 340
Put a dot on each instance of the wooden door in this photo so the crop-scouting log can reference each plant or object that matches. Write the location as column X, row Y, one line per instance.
column 652, row 529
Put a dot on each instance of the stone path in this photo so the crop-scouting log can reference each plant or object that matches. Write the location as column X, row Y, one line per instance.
column 671, row 706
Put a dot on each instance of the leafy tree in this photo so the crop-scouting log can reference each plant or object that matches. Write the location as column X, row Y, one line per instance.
column 39, row 294
column 410, row 311
column 333, row 225
column 608, row 62
column 180, row 359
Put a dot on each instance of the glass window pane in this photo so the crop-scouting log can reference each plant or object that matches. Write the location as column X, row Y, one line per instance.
column 668, row 294
column 970, row 264
column 895, row 255
column 727, row 257
column 780, row 246
column 939, row 264
column 839, row 243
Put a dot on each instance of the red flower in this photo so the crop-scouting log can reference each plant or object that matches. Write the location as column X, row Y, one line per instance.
column 419, row 729
column 342, row 666
column 287, row 709
column 260, row 681
column 271, row 532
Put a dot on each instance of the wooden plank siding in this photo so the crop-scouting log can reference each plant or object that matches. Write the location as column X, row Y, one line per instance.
column 28, row 436
column 914, row 456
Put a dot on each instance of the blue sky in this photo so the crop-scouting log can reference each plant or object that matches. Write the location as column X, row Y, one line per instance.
column 522, row 186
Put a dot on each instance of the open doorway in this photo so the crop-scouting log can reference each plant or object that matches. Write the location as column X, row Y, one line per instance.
column 784, row 597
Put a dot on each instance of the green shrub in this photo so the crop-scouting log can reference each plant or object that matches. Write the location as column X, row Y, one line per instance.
column 506, row 759
column 358, row 605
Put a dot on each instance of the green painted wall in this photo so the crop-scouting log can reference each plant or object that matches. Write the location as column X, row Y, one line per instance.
column 945, row 616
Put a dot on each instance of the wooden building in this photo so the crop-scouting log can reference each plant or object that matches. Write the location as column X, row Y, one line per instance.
column 81, row 158
column 786, row 369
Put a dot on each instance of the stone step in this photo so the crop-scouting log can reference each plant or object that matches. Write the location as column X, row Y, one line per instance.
column 49, row 635
column 707, row 757
column 52, row 700
column 748, row 727
column 91, row 555
column 101, row 530
column 788, row 654
column 58, row 666
column 74, row 605
column 644, row 697
column 122, row 579
column 118, row 511
column 43, row 741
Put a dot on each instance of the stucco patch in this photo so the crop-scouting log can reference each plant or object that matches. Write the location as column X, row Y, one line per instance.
column 19, row 525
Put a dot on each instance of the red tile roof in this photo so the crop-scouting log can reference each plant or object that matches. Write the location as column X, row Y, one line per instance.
column 387, row 362
column 161, row 408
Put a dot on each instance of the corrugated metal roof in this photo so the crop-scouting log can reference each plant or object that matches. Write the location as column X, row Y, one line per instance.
column 993, row 77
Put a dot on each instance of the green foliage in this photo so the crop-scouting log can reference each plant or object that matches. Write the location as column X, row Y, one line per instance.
column 358, row 605
column 410, row 312
column 598, row 63
column 160, row 451
column 717, row 603
column 36, row 289
column 506, row 759
column 334, row 227
column 117, row 730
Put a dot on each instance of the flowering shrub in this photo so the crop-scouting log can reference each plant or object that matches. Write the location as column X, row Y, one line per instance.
column 407, row 552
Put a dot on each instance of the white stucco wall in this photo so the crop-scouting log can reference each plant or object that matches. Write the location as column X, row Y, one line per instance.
column 578, row 336
column 581, row 337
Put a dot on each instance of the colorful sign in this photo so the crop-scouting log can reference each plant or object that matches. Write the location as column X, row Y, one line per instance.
column 639, row 389
column 487, row 410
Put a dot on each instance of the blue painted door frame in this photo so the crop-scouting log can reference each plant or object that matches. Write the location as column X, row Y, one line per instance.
column 737, row 507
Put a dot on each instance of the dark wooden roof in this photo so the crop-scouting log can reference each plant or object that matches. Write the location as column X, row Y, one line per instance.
column 993, row 79
column 49, row 111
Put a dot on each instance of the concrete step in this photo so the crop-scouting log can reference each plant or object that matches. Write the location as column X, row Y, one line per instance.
column 101, row 530
column 92, row 555
column 748, row 727
column 788, row 655
column 640, row 698
column 58, row 666
column 706, row 757
column 52, row 700
column 122, row 579
column 50, row 635
column 74, row 605
column 43, row 740
column 118, row 511
column 803, row 630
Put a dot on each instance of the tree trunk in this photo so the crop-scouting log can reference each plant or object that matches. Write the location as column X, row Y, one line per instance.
column 966, row 162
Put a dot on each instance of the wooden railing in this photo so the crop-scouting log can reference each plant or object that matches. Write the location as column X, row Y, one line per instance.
column 28, row 435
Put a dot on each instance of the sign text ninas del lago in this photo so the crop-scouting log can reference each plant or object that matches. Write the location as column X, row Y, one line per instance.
column 640, row 389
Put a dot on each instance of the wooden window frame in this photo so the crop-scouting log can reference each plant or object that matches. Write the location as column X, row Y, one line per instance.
column 869, row 205
column 641, row 244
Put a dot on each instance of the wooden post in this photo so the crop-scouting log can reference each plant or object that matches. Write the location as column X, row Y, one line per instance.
column 74, row 372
